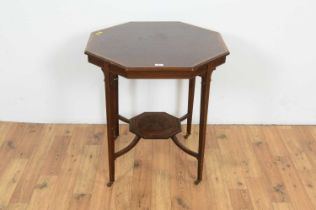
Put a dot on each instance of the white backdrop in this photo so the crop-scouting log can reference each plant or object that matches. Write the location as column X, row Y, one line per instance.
column 270, row 76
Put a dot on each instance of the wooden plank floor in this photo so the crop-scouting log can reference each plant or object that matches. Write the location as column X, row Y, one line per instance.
column 58, row 167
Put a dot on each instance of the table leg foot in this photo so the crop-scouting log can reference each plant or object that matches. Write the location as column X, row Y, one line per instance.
column 109, row 184
column 196, row 182
column 187, row 135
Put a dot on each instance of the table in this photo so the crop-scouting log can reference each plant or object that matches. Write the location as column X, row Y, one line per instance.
column 156, row 50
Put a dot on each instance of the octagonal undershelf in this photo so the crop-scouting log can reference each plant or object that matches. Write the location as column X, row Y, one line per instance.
column 155, row 125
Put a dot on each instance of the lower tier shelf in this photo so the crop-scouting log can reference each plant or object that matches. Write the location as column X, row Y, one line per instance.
column 155, row 125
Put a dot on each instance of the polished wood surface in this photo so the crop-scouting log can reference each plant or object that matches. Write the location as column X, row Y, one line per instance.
column 156, row 49
column 156, row 45
column 49, row 167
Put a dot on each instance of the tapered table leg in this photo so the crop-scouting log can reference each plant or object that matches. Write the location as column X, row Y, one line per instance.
column 190, row 105
column 109, row 79
column 205, row 90
column 116, row 106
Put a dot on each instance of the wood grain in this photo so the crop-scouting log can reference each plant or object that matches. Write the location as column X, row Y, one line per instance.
column 49, row 167
column 140, row 46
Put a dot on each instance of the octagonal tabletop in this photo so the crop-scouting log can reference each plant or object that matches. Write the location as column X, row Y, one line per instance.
column 156, row 45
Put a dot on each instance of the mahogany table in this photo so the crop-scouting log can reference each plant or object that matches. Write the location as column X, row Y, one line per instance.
column 155, row 50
